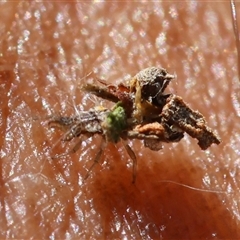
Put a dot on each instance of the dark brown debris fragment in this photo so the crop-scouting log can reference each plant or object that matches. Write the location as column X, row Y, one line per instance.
column 178, row 113
column 148, row 86
column 112, row 93
column 150, row 82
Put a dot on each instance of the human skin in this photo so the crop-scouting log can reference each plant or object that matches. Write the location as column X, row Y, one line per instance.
column 47, row 49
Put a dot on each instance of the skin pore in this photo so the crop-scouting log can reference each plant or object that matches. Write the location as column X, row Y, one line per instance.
column 47, row 49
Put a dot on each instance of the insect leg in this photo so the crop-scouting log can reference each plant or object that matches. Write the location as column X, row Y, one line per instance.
column 97, row 158
column 134, row 159
column 73, row 150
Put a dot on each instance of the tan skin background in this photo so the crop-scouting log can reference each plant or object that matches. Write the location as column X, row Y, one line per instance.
column 46, row 51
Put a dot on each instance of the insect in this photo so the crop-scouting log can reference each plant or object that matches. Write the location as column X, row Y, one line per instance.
column 142, row 111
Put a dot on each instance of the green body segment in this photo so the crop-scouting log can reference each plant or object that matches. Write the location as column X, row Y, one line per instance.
column 115, row 123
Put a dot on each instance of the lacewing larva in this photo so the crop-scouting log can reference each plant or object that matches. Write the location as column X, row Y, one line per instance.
column 142, row 111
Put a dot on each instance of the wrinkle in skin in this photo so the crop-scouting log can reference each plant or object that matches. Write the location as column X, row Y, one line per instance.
column 46, row 50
